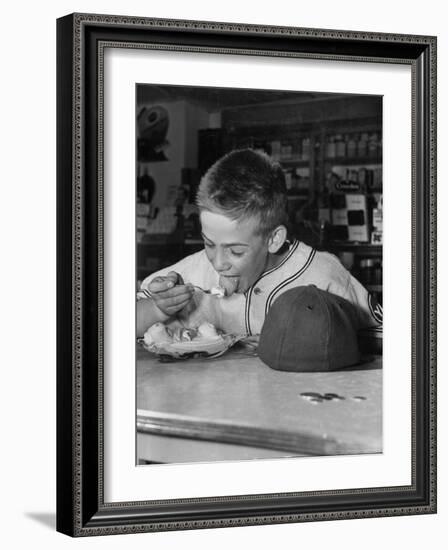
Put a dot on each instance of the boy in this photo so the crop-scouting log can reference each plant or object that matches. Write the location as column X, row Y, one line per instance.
column 243, row 212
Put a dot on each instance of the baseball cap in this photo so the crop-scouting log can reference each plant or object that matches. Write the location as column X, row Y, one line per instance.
column 309, row 330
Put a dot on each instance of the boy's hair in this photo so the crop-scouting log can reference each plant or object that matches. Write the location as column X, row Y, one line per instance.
column 246, row 183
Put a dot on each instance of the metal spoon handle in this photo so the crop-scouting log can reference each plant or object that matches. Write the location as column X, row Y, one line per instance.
column 216, row 292
column 202, row 289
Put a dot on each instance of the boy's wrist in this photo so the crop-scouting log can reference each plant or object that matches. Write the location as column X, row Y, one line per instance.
column 148, row 313
column 160, row 315
column 154, row 309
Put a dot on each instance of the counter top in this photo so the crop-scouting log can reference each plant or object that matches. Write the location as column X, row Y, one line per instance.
column 236, row 399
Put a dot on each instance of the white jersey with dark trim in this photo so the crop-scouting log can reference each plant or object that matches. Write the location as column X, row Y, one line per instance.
column 245, row 313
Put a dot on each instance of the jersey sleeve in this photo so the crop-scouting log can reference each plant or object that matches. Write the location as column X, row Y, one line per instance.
column 370, row 308
column 344, row 284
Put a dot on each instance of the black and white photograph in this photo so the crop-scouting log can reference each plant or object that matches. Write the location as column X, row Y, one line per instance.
column 259, row 274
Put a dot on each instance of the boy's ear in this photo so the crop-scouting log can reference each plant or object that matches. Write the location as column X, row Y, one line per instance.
column 277, row 239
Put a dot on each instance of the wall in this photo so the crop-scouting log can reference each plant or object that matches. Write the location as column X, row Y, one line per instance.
column 27, row 405
column 184, row 122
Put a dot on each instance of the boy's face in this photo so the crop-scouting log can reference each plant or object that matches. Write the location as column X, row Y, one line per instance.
column 235, row 249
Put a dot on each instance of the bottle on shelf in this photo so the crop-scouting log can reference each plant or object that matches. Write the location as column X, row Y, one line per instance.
column 367, row 271
column 306, row 149
column 362, row 145
column 341, row 147
column 297, row 149
column 285, row 151
column 373, row 145
column 324, row 215
column 371, row 273
column 379, row 145
column 330, row 149
column 288, row 181
column 276, row 149
column 146, row 186
column 351, row 146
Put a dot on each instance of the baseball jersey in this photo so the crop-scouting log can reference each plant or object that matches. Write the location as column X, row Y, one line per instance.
column 244, row 313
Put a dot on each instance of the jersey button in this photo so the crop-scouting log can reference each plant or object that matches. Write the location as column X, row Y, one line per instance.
column 257, row 290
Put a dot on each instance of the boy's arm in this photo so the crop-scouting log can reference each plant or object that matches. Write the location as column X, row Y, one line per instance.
column 147, row 315
column 371, row 310
column 342, row 283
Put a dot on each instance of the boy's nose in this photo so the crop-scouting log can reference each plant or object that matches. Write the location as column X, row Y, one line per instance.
column 220, row 262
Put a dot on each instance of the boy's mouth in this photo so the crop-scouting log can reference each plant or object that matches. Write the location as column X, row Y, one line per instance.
column 229, row 284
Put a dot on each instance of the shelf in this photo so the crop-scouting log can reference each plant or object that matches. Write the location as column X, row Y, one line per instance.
column 374, row 288
column 294, row 162
column 354, row 161
column 361, row 249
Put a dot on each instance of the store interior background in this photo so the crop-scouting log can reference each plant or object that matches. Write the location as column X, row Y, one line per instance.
column 329, row 146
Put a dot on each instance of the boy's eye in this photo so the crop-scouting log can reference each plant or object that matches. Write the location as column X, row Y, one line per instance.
column 234, row 252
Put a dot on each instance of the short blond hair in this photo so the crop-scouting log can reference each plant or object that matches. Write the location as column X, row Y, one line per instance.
column 246, row 183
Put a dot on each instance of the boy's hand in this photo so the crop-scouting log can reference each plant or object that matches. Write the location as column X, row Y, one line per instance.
column 170, row 294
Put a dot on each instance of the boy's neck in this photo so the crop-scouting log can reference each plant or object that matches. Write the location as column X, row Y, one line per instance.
column 275, row 259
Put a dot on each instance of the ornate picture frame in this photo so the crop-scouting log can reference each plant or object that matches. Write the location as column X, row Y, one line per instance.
column 81, row 507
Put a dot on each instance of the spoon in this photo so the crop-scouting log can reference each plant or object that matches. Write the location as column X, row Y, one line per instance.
column 217, row 292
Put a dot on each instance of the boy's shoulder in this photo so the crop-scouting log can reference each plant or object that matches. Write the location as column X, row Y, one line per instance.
column 330, row 260
column 321, row 259
column 320, row 267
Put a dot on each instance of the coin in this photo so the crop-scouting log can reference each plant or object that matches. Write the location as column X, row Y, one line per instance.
column 331, row 396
